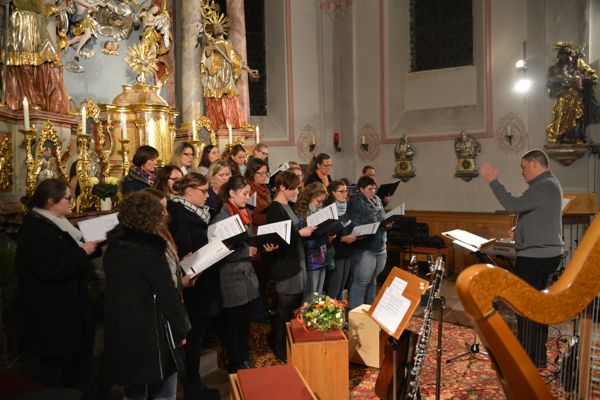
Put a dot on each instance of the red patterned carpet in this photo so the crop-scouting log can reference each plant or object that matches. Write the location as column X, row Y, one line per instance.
column 471, row 377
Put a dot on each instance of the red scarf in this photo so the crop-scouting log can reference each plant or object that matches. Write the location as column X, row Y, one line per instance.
column 261, row 191
column 243, row 213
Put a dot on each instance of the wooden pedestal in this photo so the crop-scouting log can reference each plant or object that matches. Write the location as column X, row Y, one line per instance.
column 323, row 364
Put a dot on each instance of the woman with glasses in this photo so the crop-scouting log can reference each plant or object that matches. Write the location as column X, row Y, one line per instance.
column 144, row 317
column 238, row 282
column 370, row 252
column 261, row 151
column 310, row 201
column 321, row 167
column 257, row 174
column 237, row 160
column 288, row 267
column 188, row 224
column 142, row 173
column 183, row 157
column 165, row 178
column 53, row 310
column 337, row 275
column 218, row 174
column 210, row 154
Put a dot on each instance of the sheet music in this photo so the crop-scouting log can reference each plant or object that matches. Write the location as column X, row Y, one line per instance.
column 348, row 222
column 282, row 167
column 469, row 239
column 283, row 229
column 392, row 306
column 396, row 211
column 252, row 201
column 225, row 229
column 206, row 256
column 329, row 212
column 96, row 228
column 367, row 229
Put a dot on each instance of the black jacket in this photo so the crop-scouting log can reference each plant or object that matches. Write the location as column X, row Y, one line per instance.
column 286, row 260
column 133, row 182
column 313, row 177
column 189, row 233
column 54, row 317
column 139, row 290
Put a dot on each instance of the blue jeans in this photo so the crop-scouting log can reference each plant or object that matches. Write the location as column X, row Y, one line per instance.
column 164, row 390
column 367, row 265
column 314, row 282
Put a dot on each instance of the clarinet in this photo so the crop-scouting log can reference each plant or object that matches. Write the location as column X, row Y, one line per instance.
column 425, row 333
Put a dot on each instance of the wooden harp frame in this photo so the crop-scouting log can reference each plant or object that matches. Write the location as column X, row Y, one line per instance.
column 479, row 285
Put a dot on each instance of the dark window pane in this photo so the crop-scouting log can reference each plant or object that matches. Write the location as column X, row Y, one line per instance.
column 255, row 47
column 441, row 34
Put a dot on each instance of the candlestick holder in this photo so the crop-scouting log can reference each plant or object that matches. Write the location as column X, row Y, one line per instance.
column 198, row 147
column 124, row 152
column 365, row 146
column 85, row 200
column 27, row 144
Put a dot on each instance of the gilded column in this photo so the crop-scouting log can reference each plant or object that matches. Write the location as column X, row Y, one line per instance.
column 237, row 35
column 191, row 94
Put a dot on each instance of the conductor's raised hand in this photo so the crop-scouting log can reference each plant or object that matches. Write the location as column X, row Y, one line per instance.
column 488, row 172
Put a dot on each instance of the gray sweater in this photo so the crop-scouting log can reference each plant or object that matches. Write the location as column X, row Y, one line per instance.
column 538, row 233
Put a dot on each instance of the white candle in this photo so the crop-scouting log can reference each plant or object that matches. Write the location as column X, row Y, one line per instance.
column 363, row 139
column 194, row 130
column 25, row 112
column 123, row 126
column 257, row 134
column 313, row 140
column 230, row 133
column 83, row 120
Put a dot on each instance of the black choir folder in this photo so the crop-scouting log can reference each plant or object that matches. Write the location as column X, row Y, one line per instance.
column 468, row 240
column 387, row 189
column 277, row 234
column 326, row 220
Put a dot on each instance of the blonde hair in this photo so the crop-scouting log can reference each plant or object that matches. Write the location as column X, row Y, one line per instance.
column 214, row 169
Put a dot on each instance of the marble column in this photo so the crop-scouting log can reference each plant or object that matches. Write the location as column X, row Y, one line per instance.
column 192, row 106
column 237, row 35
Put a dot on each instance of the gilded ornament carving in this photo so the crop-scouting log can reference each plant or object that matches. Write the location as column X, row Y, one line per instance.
column 48, row 161
column 6, row 167
column 404, row 153
column 467, row 149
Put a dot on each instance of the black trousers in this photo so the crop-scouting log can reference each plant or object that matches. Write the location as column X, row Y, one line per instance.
column 193, row 348
column 533, row 336
column 235, row 334
column 286, row 304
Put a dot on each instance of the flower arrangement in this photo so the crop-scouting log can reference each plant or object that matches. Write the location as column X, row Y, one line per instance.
column 322, row 313
column 107, row 189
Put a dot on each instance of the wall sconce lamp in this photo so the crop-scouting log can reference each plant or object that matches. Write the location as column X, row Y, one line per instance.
column 313, row 144
column 336, row 142
column 363, row 143
column 523, row 84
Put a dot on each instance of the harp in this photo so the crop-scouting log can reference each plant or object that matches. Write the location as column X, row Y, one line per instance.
column 480, row 285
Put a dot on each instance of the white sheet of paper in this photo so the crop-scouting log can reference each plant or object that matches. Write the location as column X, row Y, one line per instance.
column 466, row 237
column 97, row 228
column 396, row 211
column 329, row 212
column 392, row 306
column 252, row 201
column 367, row 229
column 282, row 167
column 283, row 229
column 204, row 257
column 399, row 285
column 564, row 203
column 225, row 229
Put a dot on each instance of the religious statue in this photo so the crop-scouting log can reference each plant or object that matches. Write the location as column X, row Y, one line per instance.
column 467, row 149
column 220, row 68
column 148, row 56
column 571, row 83
column 404, row 153
column 33, row 63
column 84, row 25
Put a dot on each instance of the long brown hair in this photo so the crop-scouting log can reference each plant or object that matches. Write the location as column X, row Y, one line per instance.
column 310, row 191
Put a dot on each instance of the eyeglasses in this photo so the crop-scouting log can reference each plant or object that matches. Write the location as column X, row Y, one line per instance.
column 187, row 154
column 261, row 173
column 68, row 198
column 265, row 153
column 205, row 191
column 327, row 165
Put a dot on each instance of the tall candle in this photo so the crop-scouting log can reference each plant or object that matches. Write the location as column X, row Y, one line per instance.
column 26, row 112
column 123, row 127
column 230, row 133
column 313, row 140
column 83, row 120
column 257, row 134
column 363, row 139
column 194, row 130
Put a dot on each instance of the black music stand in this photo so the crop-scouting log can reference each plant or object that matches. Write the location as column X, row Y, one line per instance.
column 472, row 350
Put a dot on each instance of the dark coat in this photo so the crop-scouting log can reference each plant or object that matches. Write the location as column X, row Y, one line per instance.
column 202, row 300
column 133, row 182
column 313, row 177
column 239, row 284
column 54, row 317
column 285, row 260
column 139, row 290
